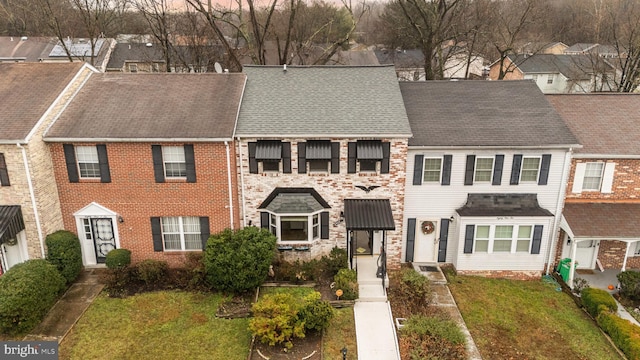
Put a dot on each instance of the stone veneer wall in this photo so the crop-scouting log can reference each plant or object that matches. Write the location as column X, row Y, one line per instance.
column 334, row 188
column 42, row 177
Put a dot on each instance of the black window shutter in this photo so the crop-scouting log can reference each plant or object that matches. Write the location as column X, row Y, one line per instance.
column 444, row 237
column 411, row 239
column 335, row 158
column 446, row 170
column 386, row 153
column 156, row 232
column 418, row 163
column 103, row 161
column 302, row 158
column 468, row 173
column 190, row 162
column 537, row 239
column 253, row 163
column 544, row 169
column 286, row 157
column 4, row 173
column 158, row 165
column 515, row 169
column 498, row 164
column 351, row 162
column 204, row 231
column 324, row 225
column 264, row 220
column 70, row 159
column 468, row 239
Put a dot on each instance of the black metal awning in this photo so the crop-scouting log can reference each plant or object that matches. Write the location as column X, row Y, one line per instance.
column 369, row 150
column 502, row 205
column 269, row 150
column 11, row 222
column 368, row 214
column 318, row 150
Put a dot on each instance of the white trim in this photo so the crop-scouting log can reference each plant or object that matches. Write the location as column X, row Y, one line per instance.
column 133, row 140
column 564, row 147
column 605, row 156
column 475, row 169
column 578, row 178
column 424, row 161
column 607, row 177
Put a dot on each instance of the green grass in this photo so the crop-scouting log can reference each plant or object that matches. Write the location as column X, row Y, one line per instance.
column 527, row 320
column 158, row 325
column 341, row 333
column 298, row 292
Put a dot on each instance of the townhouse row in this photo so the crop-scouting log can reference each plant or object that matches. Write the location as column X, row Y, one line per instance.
column 474, row 174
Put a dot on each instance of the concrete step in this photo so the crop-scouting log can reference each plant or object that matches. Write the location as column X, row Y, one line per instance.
column 371, row 293
column 373, row 281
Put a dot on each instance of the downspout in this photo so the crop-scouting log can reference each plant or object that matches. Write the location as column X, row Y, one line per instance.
column 244, row 218
column 562, row 194
column 226, row 144
column 33, row 197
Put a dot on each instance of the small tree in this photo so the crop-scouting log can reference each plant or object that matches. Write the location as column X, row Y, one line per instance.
column 238, row 261
column 63, row 251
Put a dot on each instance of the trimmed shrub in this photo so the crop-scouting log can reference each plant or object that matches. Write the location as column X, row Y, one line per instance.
column 63, row 252
column 624, row 334
column 597, row 300
column 415, row 289
column 315, row 313
column 630, row 284
column 238, row 261
column 433, row 338
column 151, row 271
column 275, row 320
column 347, row 281
column 27, row 292
column 336, row 260
column 118, row 259
column 195, row 267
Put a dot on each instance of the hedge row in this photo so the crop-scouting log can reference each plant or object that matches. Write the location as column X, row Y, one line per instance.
column 624, row 334
column 597, row 300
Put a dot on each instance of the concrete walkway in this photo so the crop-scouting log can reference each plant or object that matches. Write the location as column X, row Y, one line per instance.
column 375, row 330
column 66, row 312
column 443, row 299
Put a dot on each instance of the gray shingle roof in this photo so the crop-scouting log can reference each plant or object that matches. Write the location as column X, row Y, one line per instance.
column 502, row 205
column 27, row 90
column 152, row 106
column 603, row 220
column 322, row 101
column 574, row 67
column 606, row 124
column 482, row 113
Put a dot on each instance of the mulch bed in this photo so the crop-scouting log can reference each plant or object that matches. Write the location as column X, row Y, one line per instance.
column 310, row 347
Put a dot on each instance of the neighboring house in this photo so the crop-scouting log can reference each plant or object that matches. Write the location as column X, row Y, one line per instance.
column 410, row 64
column 487, row 167
column 605, row 51
column 148, row 57
column 602, row 207
column 558, row 73
column 49, row 49
column 322, row 154
column 147, row 163
column 557, row 48
column 33, row 95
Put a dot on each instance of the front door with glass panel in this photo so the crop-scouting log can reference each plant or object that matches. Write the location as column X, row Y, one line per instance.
column 364, row 242
column 104, row 240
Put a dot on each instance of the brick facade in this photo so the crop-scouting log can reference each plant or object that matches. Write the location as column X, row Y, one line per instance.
column 626, row 182
column 334, row 188
column 135, row 196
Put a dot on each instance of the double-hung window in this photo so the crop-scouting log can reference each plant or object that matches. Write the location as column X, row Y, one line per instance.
column 175, row 165
column 482, row 238
column 593, row 176
column 432, row 169
column 484, row 169
column 181, row 233
column 88, row 164
column 523, row 242
column 530, row 169
column 503, row 239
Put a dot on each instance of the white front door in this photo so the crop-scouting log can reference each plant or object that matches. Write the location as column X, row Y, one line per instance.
column 586, row 252
column 15, row 253
column 97, row 231
column 426, row 240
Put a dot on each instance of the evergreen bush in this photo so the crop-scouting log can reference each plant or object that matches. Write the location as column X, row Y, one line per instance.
column 118, row 259
column 347, row 281
column 597, row 300
column 63, row 252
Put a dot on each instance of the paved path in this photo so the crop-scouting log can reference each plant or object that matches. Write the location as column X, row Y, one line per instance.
column 375, row 330
column 66, row 312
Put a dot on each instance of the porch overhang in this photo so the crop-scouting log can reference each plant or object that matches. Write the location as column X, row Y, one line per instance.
column 368, row 214
column 11, row 222
column 502, row 205
column 601, row 221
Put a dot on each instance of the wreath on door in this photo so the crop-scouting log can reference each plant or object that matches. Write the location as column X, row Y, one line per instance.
column 427, row 227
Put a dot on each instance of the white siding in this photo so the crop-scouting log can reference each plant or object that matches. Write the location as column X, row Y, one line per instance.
column 441, row 201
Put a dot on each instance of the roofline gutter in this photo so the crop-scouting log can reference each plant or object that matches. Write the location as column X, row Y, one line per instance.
column 139, row 140
column 605, row 156
column 494, row 147
column 328, row 135
column 32, row 195
column 55, row 102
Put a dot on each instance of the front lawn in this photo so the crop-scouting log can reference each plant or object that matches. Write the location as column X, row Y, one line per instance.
column 526, row 320
column 157, row 325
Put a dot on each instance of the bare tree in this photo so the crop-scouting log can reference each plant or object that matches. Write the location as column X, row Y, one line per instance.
column 98, row 16
column 624, row 24
column 158, row 17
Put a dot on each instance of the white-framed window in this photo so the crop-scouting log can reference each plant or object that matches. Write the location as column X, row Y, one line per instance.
column 175, row 165
column 503, row 238
column 88, row 164
column 181, row 233
column 133, row 68
column 295, row 227
column 550, row 79
column 530, row 169
column 636, row 252
column 315, row 225
column 86, row 225
column 432, row 170
column 483, row 169
column 593, row 176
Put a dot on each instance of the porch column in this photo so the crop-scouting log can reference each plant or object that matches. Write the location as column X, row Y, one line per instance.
column 626, row 255
column 574, row 247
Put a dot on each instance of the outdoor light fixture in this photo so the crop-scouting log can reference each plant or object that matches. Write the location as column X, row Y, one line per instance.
column 451, row 218
column 120, row 219
column 344, row 353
